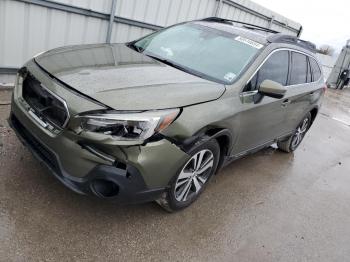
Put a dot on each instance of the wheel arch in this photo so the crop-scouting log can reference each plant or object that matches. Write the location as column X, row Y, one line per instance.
column 313, row 112
column 223, row 136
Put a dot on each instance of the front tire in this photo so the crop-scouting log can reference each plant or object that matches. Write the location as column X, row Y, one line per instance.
column 192, row 177
column 294, row 140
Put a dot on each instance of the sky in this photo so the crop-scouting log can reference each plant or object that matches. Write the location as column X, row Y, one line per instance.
column 324, row 22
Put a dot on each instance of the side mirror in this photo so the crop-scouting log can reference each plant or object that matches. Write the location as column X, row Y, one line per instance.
column 272, row 89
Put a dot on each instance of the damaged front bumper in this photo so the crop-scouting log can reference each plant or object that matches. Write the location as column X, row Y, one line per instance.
column 126, row 174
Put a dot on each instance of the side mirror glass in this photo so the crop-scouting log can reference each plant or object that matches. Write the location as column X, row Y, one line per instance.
column 272, row 89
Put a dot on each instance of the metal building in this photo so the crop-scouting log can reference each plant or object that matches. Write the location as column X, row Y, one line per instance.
column 342, row 63
column 28, row 27
column 327, row 63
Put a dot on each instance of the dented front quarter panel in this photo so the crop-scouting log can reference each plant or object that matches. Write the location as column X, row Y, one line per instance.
column 158, row 162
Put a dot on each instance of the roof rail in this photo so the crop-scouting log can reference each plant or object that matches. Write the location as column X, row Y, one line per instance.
column 289, row 39
column 246, row 25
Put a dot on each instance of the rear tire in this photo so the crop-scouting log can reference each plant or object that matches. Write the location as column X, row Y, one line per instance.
column 292, row 143
column 340, row 84
column 345, row 83
column 192, row 177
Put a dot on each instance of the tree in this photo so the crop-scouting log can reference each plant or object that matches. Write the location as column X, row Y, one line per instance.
column 326, row 50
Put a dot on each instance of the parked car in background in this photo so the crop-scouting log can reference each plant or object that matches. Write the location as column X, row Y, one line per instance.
column 156, row 118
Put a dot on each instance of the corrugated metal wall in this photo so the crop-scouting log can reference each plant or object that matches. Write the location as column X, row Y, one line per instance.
column 342, row 63
column 243, row 10
column 31, row 26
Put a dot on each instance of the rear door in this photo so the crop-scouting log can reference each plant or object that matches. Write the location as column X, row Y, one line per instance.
column 262, row 118
column 300, row 90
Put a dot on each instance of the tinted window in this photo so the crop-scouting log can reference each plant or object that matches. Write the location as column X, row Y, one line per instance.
column 315, row 69
column 299, row 69
column 275, row 68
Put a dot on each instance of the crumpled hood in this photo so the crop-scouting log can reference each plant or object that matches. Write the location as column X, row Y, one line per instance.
column 124, row 79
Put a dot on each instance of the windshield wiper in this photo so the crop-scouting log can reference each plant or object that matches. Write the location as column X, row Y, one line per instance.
column 182, row 68
column 163, row 60
column 170, row 63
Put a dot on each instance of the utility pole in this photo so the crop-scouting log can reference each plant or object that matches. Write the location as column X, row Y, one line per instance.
column 111, row 21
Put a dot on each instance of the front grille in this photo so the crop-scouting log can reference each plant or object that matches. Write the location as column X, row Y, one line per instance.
column 44, row 154
column 46, row 105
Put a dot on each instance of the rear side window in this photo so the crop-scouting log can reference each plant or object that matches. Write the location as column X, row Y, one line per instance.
column 275, row 68
column 309, row 75
column 315, row 69
column 298, row 73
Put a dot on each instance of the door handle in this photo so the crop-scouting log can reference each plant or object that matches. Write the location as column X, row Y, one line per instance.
column 285, row 102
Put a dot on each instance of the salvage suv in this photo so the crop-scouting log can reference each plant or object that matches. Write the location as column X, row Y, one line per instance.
column 156, row 118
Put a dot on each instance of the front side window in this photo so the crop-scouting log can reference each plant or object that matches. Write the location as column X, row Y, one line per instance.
column 298, row 73
column 200, row 50
column 275, row 68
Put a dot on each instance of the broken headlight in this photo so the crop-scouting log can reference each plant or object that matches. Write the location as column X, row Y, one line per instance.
column 128, row 125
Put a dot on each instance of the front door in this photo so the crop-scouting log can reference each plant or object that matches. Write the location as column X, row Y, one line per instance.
column 262, row 118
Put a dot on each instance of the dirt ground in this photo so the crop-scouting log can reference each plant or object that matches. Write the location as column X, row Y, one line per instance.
column 269, row 206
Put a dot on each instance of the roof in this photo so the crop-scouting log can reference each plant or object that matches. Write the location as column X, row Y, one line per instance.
column 258, row 33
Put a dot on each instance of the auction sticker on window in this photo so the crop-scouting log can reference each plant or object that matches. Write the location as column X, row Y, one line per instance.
column 249, row 42
column 230, row 76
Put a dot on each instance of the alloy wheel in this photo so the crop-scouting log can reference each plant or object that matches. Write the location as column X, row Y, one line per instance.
column 194, row 175
column 300, row 133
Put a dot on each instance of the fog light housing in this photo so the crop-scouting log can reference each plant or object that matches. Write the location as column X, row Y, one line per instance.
column 104, row 188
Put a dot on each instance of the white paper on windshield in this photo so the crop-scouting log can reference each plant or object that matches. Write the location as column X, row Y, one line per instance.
column 230, row 76
column 248, row 42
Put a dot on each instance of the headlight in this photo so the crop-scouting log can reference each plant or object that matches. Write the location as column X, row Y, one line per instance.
column 126, row 126
column 21, row 74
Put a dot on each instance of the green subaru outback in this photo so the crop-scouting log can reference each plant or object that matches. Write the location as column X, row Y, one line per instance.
column 156, row 118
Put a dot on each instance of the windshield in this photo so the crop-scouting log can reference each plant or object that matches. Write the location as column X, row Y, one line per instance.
column 203, row 51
